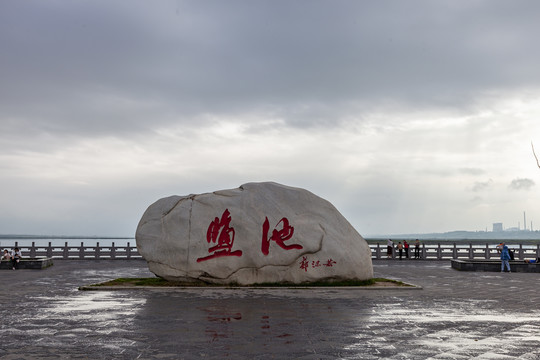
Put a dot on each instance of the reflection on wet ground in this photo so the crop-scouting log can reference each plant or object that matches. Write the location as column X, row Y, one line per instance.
column 456, row 316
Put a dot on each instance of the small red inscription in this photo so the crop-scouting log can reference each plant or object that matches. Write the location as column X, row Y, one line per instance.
column 304, row 264
column 220, row 232
column 279, row 236
column 329, row 263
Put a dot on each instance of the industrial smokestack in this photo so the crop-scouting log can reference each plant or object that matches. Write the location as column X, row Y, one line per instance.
column 524, row 222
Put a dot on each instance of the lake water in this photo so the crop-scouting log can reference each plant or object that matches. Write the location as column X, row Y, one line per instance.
column 26, row 241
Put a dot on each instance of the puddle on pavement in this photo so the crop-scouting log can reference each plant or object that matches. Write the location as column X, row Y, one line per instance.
column 452, row 311
column 448, row 330
column 99, row 305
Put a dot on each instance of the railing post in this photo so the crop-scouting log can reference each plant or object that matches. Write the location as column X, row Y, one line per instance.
column 488, row 254
column 454, row 251
column 96, row 252
column 439, row 255
column 378, row 252
column 520, row 251
column 33, row 250
column 471, row 253
column 113, row 251
column 537, row 251
column 128, row 251
column 81, row 251
column 423, row 251
column 65, row 252
column 49, row 250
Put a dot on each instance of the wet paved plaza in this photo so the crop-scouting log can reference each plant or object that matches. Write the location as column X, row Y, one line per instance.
column 456, row 315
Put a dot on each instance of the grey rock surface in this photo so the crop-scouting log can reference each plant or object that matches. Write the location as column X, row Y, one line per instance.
column 257, row 233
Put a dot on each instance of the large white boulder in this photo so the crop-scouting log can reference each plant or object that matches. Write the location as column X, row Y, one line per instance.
column 258, row 233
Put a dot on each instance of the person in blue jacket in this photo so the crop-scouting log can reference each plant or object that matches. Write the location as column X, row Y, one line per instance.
column 505, row 256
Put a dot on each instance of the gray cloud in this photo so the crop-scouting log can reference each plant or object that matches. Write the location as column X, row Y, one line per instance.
column 480, row 186
column 521, row 184
column 101, row 66
column 110, row 102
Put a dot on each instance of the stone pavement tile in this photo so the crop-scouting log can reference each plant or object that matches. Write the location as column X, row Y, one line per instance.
column 456, row 315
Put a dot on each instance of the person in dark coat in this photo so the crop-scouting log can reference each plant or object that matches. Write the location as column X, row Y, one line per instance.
column 406, row 248
column 15, row 258
column 400, row 249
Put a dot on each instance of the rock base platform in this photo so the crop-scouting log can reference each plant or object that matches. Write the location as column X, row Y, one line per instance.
column 32, row 263
column 494, row 265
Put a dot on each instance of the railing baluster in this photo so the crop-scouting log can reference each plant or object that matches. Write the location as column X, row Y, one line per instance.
column 67, row 251
column 439, row 251
column 471, row 250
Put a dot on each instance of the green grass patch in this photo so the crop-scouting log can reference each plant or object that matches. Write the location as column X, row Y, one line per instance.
column 160, row 282
column 155, row 281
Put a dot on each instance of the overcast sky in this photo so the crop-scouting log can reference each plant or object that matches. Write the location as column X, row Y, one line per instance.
column 409, row 116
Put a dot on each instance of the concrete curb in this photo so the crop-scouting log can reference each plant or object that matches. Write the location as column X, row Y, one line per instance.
column 202, row 288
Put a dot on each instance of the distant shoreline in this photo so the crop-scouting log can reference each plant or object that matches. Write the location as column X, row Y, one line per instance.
column 517, row 235
column 52, row 237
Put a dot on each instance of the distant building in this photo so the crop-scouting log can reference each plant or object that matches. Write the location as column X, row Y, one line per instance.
column 497, row 227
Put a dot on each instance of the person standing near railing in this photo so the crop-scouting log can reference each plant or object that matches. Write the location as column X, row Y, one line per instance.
column 400, row 249
column 417, row 249
column 406, row 248
column 389, row 248
column 505, row 257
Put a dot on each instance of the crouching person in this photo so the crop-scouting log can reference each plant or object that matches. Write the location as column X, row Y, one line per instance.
column 16, row 256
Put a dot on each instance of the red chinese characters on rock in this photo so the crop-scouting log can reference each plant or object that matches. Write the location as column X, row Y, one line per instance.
column 220, row 232
column 304, row 263
column 279, row 236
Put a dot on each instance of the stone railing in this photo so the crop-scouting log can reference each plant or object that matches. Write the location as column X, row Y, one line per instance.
column 448, row 251
column 439, row 251
column 76, row 252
